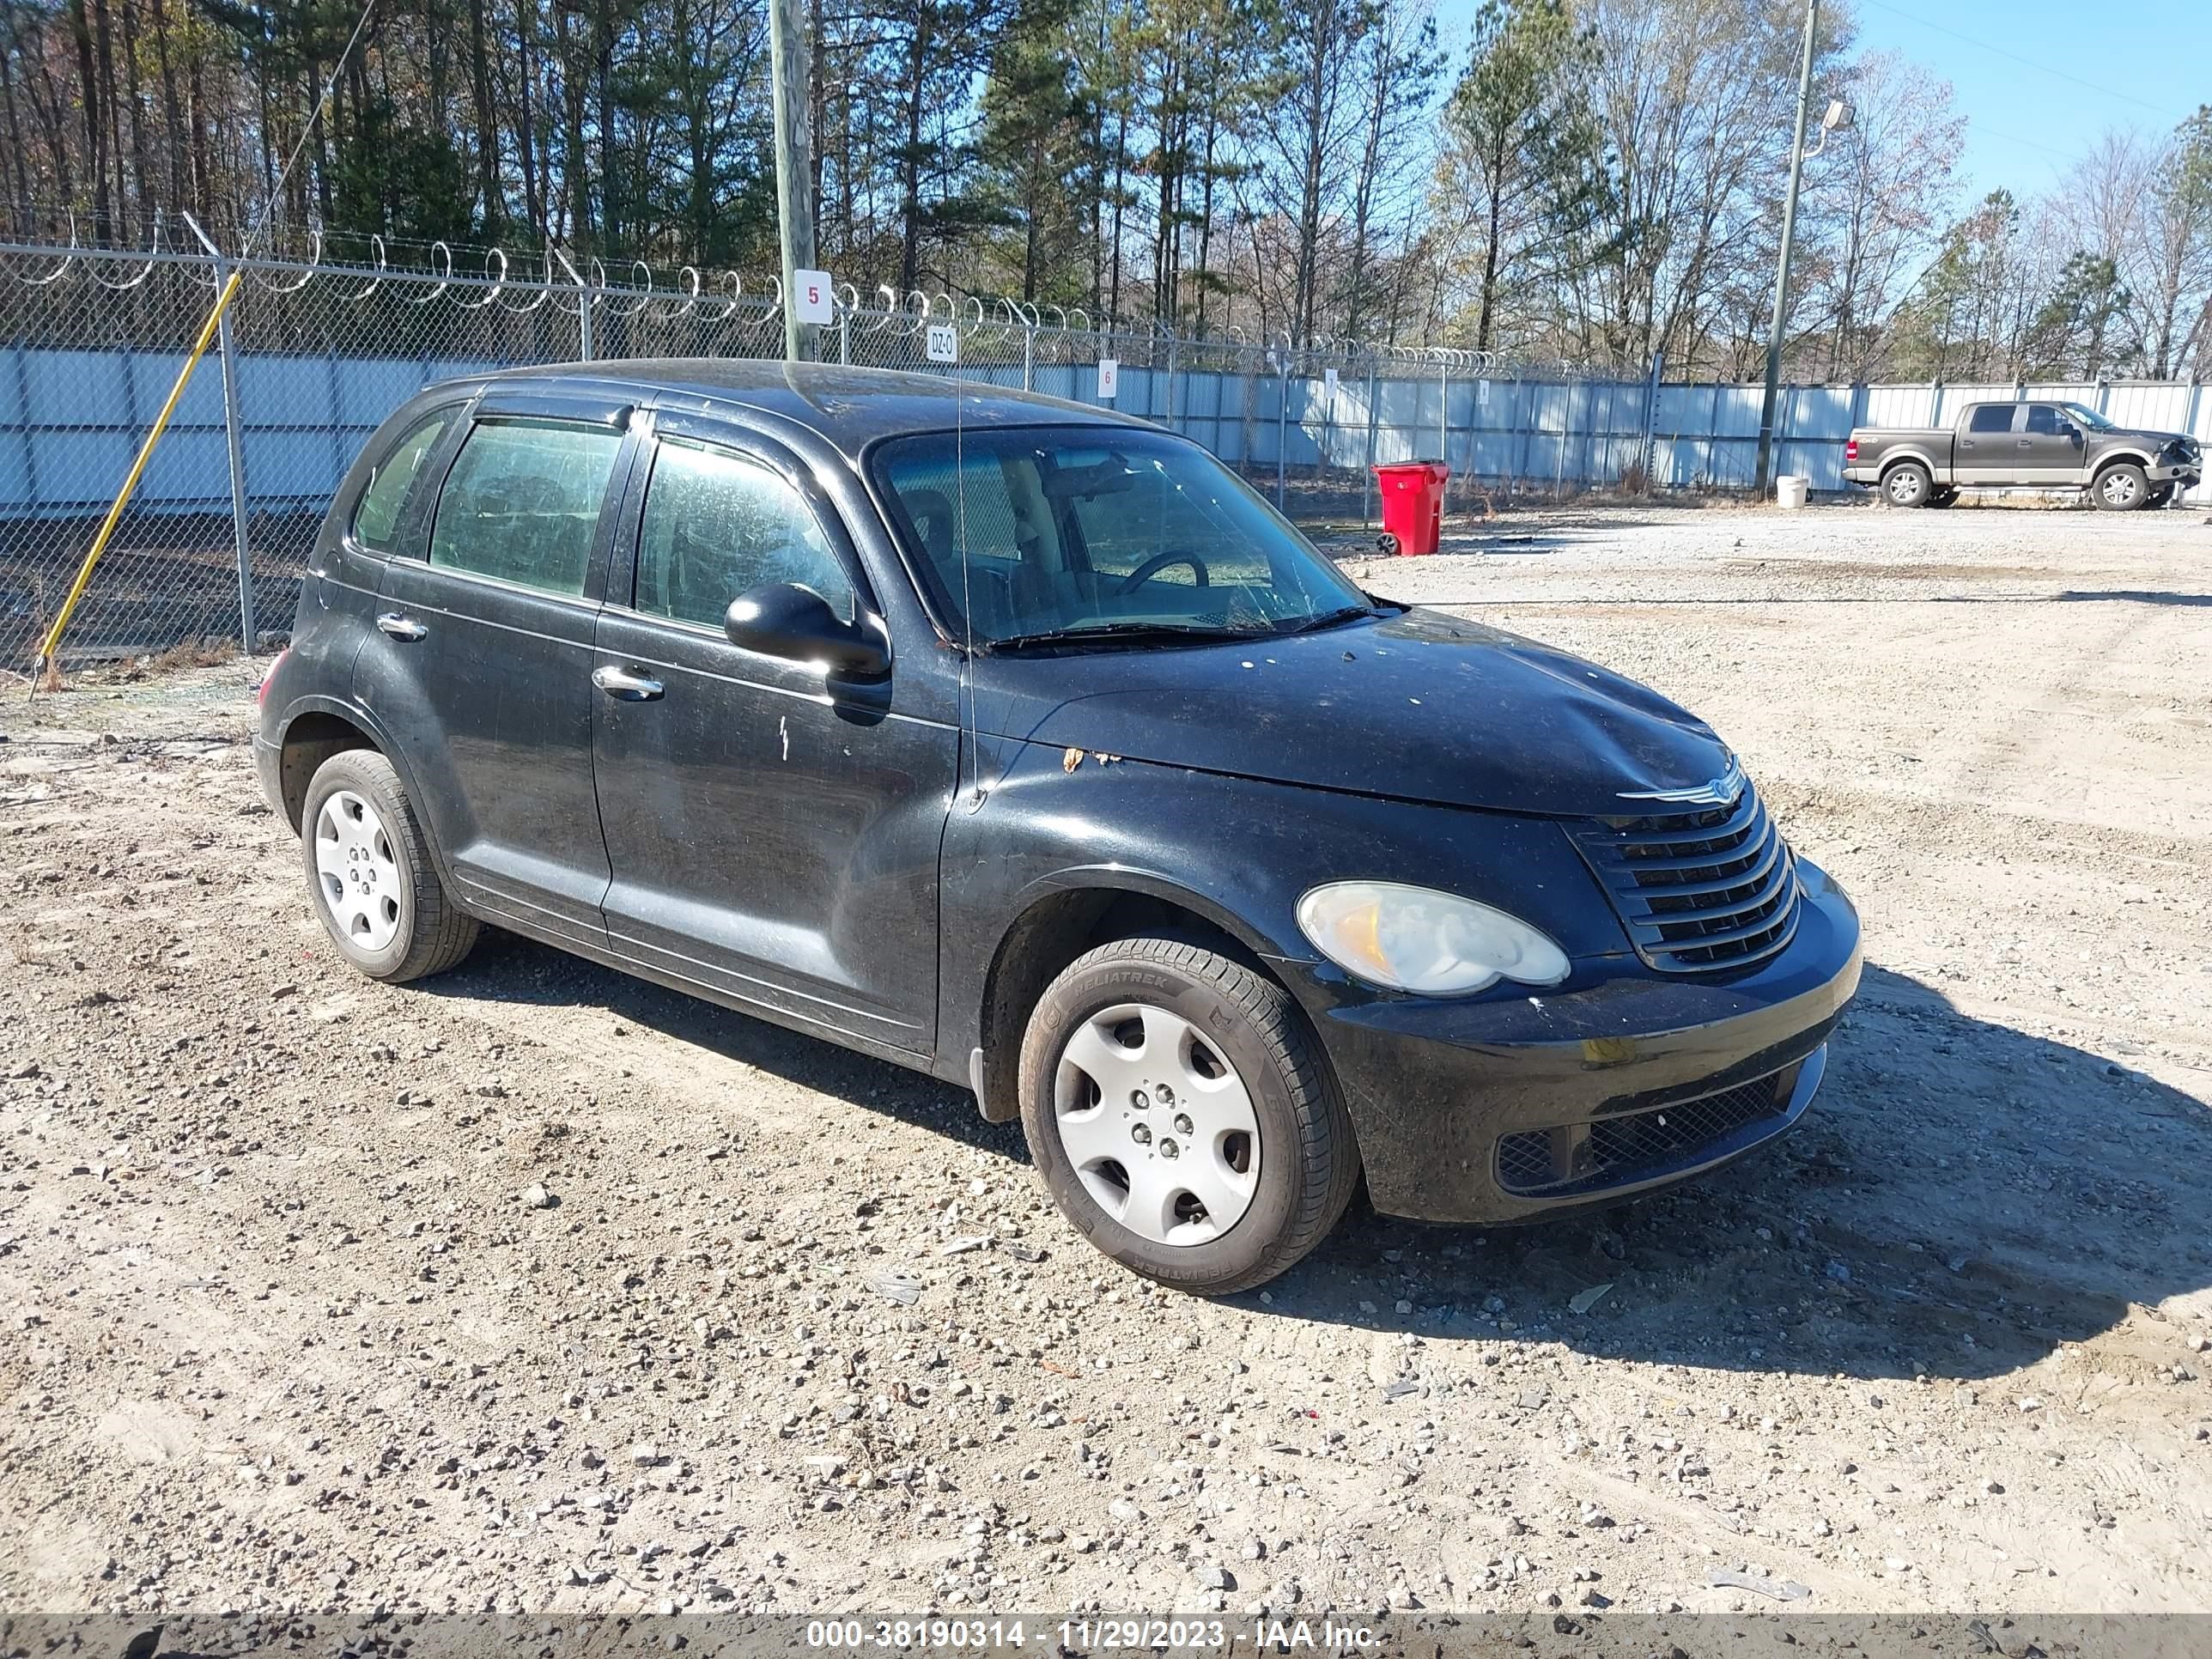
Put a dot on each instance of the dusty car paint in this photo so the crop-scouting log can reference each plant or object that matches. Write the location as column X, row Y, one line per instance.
column 861, row 862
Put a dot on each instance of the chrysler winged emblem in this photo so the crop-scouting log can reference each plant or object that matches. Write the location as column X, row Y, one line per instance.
column 1718, row 792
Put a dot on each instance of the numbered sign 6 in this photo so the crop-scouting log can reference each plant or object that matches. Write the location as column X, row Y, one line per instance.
column 1109, row 378
column 943, row 343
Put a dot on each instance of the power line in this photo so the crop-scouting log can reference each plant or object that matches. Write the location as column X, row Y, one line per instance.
column 1973, row 126
column 2030, row 63
column 322, row 104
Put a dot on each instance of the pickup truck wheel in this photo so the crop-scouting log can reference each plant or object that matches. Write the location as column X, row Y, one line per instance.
column 2121, row 488
column 1182, row 1117
column 1907, row 485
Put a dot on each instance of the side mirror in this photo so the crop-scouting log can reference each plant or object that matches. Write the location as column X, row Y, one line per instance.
column 783, row 619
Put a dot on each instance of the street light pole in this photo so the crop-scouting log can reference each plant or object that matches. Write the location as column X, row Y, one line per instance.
column 794, row 175
column 1782, row 273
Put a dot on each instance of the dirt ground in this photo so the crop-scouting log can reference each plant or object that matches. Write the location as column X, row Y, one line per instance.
column 282, row 1333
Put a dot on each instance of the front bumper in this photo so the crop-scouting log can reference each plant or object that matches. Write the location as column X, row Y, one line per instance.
column 1625, row 1079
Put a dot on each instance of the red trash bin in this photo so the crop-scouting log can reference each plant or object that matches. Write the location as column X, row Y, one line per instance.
column 1413, row 505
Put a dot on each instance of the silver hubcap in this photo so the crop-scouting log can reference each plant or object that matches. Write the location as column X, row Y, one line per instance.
column 2120, row 488
column 360, row 876
column 1160, row 1129
column 1905, row 487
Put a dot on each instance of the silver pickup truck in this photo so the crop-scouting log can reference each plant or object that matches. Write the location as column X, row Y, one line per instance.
column 2023, row 446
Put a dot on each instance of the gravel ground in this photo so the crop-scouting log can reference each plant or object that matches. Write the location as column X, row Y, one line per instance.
column 533, row 1287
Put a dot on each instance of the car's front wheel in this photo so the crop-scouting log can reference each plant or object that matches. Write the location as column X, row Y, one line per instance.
column 374, row 887
column 1182, row 1117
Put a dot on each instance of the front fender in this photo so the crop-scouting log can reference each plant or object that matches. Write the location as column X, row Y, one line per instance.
column 2119, row 453
column 1238, row 852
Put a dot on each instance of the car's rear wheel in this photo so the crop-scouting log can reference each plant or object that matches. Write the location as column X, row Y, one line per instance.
column 2121, row 488
column 1907, row 485
column 369, row 869
column 1183, row 1117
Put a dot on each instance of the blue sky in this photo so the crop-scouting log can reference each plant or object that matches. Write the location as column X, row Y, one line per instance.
column 2029, row 114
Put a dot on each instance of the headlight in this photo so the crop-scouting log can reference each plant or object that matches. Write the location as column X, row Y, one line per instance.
column 1413, row 938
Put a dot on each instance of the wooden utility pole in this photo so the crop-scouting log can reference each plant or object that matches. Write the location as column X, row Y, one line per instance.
column 794, row 173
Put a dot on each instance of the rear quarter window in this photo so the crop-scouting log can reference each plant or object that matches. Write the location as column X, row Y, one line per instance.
column 1991, row 417
column 376, row 517
column 522, row 502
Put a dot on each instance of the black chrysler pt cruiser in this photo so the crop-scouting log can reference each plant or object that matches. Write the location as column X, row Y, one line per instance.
column 1022, row 744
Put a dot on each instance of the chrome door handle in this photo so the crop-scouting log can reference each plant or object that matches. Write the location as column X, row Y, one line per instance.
column 621, row 682
column 399, row 627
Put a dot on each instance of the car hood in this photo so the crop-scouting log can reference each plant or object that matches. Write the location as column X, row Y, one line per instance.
column 2147, row 436
column 1416, row 705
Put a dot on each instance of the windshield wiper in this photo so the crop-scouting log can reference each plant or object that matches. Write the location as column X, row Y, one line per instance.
column 1122, row 633
column 1327, row 619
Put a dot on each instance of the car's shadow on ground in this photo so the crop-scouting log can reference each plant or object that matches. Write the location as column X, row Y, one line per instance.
column 505, row 967
column 2135, row 596
column 1962, row 1199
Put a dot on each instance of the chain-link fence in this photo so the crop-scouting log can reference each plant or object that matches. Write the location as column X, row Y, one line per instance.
column 315, row 355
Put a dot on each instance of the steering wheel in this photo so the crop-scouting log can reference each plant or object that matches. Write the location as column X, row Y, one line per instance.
column 1159, row 562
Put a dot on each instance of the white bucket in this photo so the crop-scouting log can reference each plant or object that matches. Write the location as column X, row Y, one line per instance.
column 1790, row 490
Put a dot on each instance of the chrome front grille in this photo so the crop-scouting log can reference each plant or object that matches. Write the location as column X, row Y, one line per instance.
column 1698, row 891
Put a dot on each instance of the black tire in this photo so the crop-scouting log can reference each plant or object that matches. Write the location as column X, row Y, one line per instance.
column 432, row 933
column 2121, row 487
column 1388, row 544
column 1308, row 1157
column 1907, row 485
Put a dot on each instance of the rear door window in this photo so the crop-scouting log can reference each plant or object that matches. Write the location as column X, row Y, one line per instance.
column 1991, row 417
column 376, row 519
column 522, row 502
column 716, row 523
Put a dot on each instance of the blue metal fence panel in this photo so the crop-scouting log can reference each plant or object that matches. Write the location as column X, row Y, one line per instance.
column 68, row 431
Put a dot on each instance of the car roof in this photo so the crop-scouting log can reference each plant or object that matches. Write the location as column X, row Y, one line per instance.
column 848, row 407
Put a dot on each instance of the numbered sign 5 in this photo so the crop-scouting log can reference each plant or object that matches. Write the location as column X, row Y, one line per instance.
column 811, row 297
column 943, row 343
column 1109, row 378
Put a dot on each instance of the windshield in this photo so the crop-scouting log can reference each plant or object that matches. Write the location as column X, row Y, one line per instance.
column 2089, row 418
column 1053, row 532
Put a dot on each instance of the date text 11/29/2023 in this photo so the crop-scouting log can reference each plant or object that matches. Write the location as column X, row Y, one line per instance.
column 1084, row 1635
